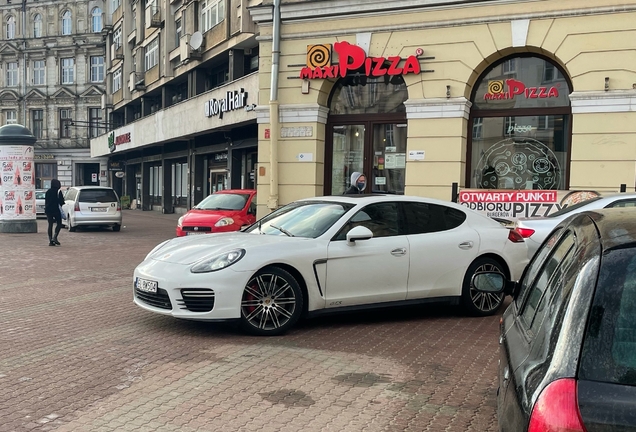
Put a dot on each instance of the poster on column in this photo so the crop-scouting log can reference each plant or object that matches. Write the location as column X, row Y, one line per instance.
column 516, row 204
column 17, row 183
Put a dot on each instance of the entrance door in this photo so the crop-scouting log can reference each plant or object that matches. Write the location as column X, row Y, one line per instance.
column 374, row 148
column 217, row 180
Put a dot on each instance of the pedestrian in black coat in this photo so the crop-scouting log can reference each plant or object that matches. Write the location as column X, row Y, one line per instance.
column 52, row 202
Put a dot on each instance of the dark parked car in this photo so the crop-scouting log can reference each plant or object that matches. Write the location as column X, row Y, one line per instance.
column 568, row 340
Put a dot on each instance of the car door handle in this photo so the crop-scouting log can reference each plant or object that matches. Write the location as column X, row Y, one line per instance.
column 506, row 374
column 466, row 245
column 398, row 252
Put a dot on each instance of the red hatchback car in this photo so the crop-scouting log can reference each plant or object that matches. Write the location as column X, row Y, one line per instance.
column 223, row 211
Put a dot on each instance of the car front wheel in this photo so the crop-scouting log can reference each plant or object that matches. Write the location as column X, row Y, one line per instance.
column 479, row 303
column 272, row 302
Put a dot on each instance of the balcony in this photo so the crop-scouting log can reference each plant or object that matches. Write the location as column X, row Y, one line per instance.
column 153, row 17
column 119, row 53
column 136, row 81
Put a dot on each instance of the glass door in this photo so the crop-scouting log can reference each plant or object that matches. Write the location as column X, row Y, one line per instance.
column 218, row 180
column 347, row 155
column 389, row 158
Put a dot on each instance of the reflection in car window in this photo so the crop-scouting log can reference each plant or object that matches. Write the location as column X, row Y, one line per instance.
column 40, row 195
column 97, row 195
column 421, row 218
column 622, row 203
column 544, row 284
column 573, row 207
column 609, row 350
column 223, row 202
column 301, row 219
column 535, row 265
column 380, row 218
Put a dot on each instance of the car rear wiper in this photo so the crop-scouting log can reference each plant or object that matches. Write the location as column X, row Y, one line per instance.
column 283, row 230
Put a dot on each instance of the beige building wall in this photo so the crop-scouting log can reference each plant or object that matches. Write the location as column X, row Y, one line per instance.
column 595, row 41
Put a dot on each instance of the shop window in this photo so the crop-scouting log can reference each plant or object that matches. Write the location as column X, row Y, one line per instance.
column 155, row 178
column 520, row 127
column 180, row 184
column 44, row 173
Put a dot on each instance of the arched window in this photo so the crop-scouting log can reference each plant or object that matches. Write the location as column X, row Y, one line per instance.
column 97, row 20
column 366, row 133
column 66, row 23
column 37, row 26
column 11, row 27
column 520, row 126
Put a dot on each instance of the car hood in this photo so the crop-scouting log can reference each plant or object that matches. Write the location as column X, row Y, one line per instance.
column 206, row 217
column 190, row 249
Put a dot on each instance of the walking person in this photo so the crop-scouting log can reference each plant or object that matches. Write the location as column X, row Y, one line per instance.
column 358, row 184
column 52, row 202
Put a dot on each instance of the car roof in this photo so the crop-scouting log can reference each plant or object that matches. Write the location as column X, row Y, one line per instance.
column 616, row 226
column 236, row 191
column 91, row 187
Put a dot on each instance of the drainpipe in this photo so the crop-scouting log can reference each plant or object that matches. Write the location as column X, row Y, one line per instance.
column 272, row 203
column 25, row 75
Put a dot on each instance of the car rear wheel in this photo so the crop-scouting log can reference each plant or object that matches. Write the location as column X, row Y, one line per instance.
column 272, row 302
column 479, row 303
column 70, row 226
column 116, row 228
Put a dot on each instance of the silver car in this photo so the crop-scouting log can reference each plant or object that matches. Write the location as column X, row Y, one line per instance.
column 39, row 202
column 92, row 206
column 535, row 230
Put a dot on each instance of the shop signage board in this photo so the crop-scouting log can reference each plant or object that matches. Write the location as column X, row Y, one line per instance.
column 17, row 183
column 233, row 100
column 351, row 59
column 116, row 140
column 511, row 88
column 514, row 204
column 115, row 165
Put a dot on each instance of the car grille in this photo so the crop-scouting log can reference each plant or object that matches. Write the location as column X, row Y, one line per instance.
column 197, row 228
column 159, row 299
column 197, row 299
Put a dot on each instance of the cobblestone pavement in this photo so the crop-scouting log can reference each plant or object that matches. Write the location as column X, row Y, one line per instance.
column 77, row 355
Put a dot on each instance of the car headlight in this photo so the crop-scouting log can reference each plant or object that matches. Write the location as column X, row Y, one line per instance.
column 180, row 221
column 218, row 262
column 159, row 246
column 224, row 222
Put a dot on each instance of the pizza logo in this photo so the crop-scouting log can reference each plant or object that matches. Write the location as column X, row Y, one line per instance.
column 318, row 55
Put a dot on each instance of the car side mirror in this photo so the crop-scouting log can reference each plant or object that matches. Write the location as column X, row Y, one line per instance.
column 358, row 233
column 489, row 282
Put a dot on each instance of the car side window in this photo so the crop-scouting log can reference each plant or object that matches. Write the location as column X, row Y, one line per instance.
column 546, row 282
column 380, row 218
column 534, row 266
column 622, row 203
column 70, row 195
column 421, row 218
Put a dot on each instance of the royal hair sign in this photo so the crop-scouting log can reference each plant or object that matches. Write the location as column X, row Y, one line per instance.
column 353, row 58
column 233, row 100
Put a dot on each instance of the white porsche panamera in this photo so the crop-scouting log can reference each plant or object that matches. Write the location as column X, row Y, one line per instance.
column 330, row 254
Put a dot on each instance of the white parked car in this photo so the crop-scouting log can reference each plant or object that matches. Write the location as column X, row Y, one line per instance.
column 39, row 202
column 330, row 253
column 92, row 206
column 536, row 230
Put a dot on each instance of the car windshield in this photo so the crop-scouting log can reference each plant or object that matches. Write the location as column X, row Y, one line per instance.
column 573, row 207
column 97, row 195
column 308, row 219
column 609, row 350
column 40, row 195
column 223, row 201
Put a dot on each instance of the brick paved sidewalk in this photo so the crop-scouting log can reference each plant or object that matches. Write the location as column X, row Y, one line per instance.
column 77, row 354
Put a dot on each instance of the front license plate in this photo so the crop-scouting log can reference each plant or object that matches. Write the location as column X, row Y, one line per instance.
column 99, row 209
column 194, row 233
column 146, row 285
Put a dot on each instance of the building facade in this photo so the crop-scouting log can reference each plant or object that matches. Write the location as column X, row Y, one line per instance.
column 182, row 85
column 52, row 73
column 499, row 95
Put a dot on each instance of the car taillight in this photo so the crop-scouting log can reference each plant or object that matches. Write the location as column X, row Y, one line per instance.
column 557, row 409
column 525, row 232
column 514, row 236
column 118, row 207
column 76, row 208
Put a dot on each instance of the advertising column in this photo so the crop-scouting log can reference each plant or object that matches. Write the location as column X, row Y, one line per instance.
column 17, row 180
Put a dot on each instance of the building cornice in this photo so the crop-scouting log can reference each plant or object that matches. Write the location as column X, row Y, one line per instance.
column 295, row 113
column 437, row 108
column 603, row 101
